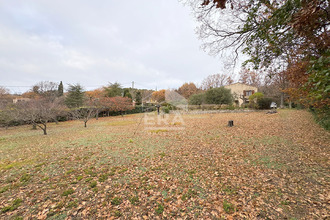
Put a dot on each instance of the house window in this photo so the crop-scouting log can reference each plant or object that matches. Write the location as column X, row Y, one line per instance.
column 248, row 92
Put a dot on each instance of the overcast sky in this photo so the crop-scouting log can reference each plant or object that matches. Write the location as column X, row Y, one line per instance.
column 150, row 42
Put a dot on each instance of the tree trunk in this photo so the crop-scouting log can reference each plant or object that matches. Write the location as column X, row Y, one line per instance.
column 85, row 124
column 44, row 129
column 97, row 114
column 282, row 100
column 34, row 126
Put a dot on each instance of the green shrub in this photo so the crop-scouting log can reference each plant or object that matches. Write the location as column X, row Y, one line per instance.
column 322, row 117
column 254, row 99
column 231, row 107
column 197, row 99
column 244, row 106
column 264, row 103
column 219, row 95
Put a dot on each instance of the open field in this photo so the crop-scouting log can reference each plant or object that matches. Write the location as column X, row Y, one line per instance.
column 266, row 166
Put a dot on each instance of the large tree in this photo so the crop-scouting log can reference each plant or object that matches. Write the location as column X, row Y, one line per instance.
column 8, row 114
column 197, row 99
column 138, row 98
column 265, row 29
column 46, row 89
column 113, row 89
column 219, row 95
column 75, row 97
column 293, row 34
column 127, row 93
column 250, row 77
column 159, row 96
column 60, row 89
column 215, row 81
column 89, row 110
column 5, row 96
column 40, row 111
column 116, row 104
column 96, row 93
column 187, row 89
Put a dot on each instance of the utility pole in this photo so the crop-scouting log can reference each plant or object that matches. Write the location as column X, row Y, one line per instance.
column 132, row 84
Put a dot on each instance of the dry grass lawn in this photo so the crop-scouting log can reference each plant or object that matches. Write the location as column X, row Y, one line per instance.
column 266, row 166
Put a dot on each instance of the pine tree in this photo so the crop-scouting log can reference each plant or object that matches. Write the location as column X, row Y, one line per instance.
column 60, row 89
column 113, row 90
column 138, row 98
column 127, row 93
column 75, row 97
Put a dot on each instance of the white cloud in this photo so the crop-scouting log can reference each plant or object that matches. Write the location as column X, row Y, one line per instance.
column 94, row 42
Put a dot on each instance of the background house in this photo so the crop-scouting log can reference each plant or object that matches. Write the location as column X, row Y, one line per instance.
column 241, row 92
column 21, row 100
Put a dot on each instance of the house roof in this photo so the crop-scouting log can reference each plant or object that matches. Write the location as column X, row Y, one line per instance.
column 241, row 84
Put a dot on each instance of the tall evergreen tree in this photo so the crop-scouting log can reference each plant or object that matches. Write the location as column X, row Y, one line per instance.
column 138, row 98
column 127, row 93
column 60, row 89
column 75, row 97
column 113, row 90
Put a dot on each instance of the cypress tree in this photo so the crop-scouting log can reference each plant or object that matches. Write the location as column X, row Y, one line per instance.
column 138, row 98
column 127, row 93
column 60, row 89
column 75, row 97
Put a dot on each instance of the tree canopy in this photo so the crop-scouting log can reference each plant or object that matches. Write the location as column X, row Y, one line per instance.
column 278, row 36
column 45, row 89
column 215, row 81
column 39, row 111
column 113, row 89
column 197, row 99
column 187, row 89
column 75, row 97
column 138, row 98
column 219, row 95
column 159, row 96
column 60, row 89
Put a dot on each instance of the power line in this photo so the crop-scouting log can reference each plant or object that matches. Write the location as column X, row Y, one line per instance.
column 14, row 86
column 19, row 89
